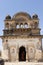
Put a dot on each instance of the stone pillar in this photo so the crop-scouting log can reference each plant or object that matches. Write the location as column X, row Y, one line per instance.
column 0, row 54
column 26, row 54
column 42, row 55
column 9, row 55
column 17, row 53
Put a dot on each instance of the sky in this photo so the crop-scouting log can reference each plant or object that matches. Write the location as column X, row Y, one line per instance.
column 10, row 7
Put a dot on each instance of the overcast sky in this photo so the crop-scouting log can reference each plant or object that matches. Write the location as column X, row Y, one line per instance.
column 13, row 6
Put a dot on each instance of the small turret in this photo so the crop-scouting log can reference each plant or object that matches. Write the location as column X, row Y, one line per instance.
column 7, row 17
column 35, row 16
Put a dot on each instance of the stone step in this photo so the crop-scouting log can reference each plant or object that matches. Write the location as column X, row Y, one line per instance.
column 23, row 63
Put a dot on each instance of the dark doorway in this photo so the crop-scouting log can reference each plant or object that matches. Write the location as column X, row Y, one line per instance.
column 22, row 54
column 1, row 62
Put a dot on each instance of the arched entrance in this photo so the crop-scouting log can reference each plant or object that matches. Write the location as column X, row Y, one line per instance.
column 22, row 53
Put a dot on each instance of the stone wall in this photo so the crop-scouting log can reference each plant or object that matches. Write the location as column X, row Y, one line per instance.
column 32, row 46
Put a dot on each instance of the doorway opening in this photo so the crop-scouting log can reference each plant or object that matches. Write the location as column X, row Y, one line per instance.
column 22, row 53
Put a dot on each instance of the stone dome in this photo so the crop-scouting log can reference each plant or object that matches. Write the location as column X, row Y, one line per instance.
column 8, row 17
column 22, row 14
column 35, row 16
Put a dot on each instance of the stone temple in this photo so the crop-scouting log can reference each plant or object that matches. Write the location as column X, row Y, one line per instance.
column 21, row 39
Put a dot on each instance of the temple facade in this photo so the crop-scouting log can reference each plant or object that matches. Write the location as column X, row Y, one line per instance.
column 21, row 38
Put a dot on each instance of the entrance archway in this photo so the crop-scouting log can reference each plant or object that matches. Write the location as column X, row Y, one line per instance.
column 22, row 53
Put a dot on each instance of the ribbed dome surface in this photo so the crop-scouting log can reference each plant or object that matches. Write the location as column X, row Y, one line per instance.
column 22, row 14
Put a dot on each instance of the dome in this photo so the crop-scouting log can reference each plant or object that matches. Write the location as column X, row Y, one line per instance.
column 22, row 14
column 8, row 17
column 35, row 16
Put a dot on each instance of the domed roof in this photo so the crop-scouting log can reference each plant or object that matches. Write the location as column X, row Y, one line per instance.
column 35, row 16
column 22, row 14
column 8, row 17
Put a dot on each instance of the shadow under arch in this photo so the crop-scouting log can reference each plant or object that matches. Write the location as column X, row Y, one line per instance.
column 22, row 53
